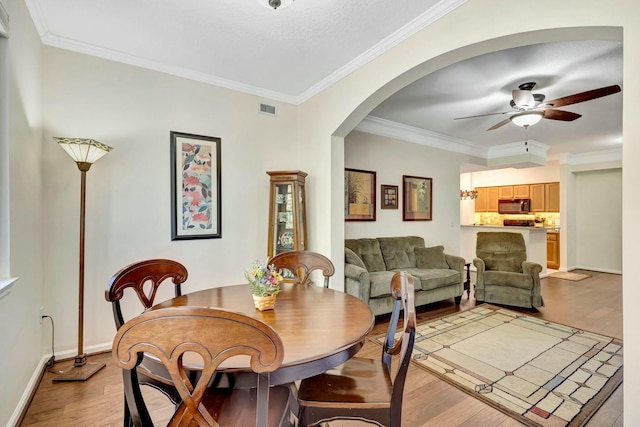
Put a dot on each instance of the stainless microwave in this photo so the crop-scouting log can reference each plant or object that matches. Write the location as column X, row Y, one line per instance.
column 514, row 206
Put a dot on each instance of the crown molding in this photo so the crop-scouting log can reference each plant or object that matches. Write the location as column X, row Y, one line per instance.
column 611, row 155
column 436, row 12
column 423, row 21
column 391, row 129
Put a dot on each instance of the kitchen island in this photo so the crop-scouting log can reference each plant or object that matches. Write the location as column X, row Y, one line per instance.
column 534, row 237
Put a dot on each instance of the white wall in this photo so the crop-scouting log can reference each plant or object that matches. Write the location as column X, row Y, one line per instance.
column 128, row 191
column 333, row 113
column 390, row 159
column 512, row 176
column 21, row 334
column 135, row 110
column 599, row 220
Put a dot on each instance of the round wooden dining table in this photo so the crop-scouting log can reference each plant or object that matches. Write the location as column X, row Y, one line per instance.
column 320, row 328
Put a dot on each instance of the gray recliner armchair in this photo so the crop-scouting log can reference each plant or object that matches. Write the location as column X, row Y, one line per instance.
column 503, row 275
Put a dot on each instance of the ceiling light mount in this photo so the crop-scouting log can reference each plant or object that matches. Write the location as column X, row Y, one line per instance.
column 527, row 118
column 275, row 4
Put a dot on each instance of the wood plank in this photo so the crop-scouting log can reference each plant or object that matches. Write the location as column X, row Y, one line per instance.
column 593, row 304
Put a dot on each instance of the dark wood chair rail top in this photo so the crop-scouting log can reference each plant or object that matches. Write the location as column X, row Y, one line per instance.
column 319, row 327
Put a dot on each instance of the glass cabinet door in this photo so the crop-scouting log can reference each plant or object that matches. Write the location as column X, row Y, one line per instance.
column 287, row 223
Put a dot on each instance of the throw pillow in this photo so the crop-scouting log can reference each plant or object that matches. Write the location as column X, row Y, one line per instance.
column 431, row 257
column 350, row 257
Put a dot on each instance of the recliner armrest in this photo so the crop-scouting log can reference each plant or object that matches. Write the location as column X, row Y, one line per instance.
column 531, row 268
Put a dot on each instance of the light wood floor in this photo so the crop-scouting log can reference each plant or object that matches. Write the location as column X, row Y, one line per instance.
column 593, row 304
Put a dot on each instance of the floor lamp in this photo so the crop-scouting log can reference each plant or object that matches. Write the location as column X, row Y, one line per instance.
column 84, row 152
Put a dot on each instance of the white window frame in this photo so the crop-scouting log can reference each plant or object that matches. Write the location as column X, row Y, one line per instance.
column 6, row 282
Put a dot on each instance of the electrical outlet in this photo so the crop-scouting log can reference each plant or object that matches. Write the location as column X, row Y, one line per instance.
column 41, row 314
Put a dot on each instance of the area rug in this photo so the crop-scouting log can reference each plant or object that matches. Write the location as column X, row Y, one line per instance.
column 538, row 372
column 569, row 276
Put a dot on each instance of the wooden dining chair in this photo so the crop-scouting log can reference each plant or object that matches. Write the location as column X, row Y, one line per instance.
column 365, row 389
column 302, row 263
column 143, row 279
column 215, row 335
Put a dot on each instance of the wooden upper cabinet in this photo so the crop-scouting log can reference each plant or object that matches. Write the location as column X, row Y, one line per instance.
column 493, row 194
column 481, row 200
column 505, row 192
column 521, row 191
column 545, row 197
column 537, row 196
column 552, row 196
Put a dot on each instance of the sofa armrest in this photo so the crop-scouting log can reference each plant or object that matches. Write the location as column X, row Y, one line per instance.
column 455, row 262
column 357, row 282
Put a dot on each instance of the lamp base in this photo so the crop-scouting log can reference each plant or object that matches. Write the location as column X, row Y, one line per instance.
column 81, row 370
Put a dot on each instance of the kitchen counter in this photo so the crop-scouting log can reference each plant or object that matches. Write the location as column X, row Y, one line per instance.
column 535, row 238
column 510, row 227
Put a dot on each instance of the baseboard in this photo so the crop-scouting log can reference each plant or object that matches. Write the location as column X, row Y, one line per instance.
column 599, row 270
column 34, row 381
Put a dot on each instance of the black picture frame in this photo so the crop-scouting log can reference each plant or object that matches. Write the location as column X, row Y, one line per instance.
column 359, row 195
column 388, row 196
column 417, row 198
column 196, row 202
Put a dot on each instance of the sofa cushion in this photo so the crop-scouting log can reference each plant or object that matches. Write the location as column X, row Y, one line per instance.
column 381, row 283
column 369, row 252
column 505, row 261
column 431, row 257
column 434, row 278
column 398, row 252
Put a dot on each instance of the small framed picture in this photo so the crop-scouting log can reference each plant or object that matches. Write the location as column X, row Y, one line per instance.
column 416, row 198
column 389, row 197
column 359, row 195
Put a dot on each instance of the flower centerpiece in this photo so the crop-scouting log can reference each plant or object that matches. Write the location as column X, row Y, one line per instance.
column 264, row 283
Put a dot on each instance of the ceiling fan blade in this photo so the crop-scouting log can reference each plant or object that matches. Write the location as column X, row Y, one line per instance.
column 483, row 115
column 523, row 98
column 584, row 96
column 565, row 116
column 498, row 125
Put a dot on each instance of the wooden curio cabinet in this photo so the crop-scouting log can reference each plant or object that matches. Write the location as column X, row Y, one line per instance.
column 287, row 212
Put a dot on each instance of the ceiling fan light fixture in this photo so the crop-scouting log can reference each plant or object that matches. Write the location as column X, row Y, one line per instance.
column 527, row 118
column 275, row 4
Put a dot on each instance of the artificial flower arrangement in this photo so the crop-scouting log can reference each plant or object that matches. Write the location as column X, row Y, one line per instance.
column 264, row 280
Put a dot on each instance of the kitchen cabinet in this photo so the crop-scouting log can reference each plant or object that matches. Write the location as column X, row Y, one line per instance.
column 287, row 213
column 545, row 197
column 505, row 192
column 493, row 194
column 552, row 196
column 521, row 191
column 481, row 200
column 553, row 250
column 487, row 200
column 537, row 196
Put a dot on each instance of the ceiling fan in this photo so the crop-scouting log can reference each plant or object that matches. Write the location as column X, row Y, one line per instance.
column 529, row 108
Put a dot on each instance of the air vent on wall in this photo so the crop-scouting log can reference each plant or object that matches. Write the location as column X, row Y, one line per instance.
column 267, row 109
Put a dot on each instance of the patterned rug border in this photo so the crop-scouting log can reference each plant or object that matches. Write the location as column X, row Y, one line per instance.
column 588, row 410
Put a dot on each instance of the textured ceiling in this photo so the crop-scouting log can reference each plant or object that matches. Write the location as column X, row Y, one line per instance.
column 294, row 52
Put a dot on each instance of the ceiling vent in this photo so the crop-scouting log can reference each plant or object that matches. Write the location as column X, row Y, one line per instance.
column 267, row 109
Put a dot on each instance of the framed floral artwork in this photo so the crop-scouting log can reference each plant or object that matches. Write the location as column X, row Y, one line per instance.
column 195, row 187
column 416, row 198
column 360, row 195
column 389, row 197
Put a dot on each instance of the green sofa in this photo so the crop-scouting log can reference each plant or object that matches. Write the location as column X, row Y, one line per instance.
column 371, row 263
